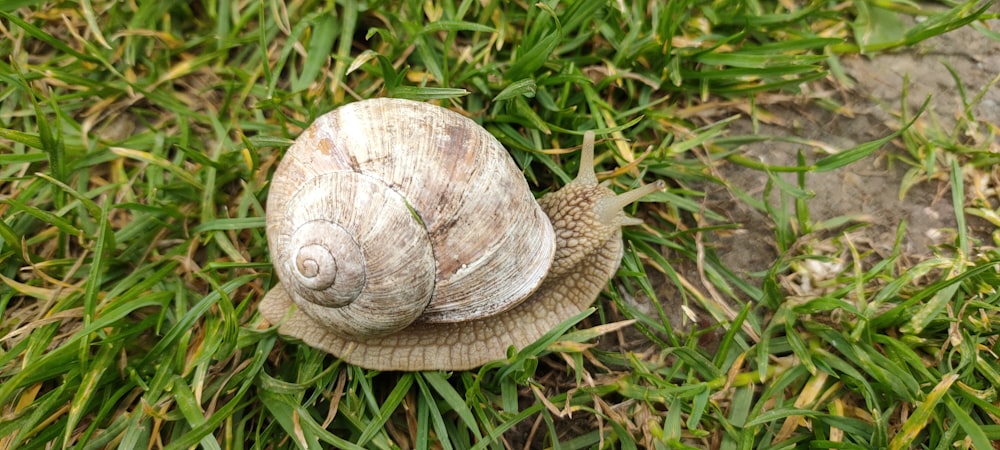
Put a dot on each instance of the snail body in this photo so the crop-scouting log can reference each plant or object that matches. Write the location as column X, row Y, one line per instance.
column 407, row 239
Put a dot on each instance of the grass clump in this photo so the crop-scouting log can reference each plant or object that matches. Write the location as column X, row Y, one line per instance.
column 136, row 144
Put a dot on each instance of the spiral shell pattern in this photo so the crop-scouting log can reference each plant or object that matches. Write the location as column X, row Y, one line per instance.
column 386, row 211
column 331, row 249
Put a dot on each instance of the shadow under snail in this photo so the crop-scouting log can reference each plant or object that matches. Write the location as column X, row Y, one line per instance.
column 407, row 239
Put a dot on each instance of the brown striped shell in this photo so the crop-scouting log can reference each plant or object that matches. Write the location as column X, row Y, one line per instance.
column 386, row 211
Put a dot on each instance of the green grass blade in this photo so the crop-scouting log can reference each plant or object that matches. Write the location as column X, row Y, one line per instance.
column 388, row 406
column 455, row 401
column 921, row 414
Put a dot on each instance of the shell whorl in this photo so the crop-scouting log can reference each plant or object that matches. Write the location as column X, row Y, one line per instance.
column 327, row 246
column 473, row 243
column 327, row 263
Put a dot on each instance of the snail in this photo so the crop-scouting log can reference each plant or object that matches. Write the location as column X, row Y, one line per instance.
column 407, row 239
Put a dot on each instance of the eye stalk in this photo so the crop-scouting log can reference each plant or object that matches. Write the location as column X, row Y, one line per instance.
column 609, row 210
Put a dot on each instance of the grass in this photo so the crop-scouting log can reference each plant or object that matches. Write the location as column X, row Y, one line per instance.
column 136, row 144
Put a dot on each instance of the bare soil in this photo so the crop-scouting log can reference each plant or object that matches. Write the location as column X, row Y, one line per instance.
column 870, row 189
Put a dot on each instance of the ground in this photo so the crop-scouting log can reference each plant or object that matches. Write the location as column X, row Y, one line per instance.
column 868, row 189
column 869, row 192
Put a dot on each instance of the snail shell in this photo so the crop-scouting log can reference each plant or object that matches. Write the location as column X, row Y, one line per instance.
column 407, row 239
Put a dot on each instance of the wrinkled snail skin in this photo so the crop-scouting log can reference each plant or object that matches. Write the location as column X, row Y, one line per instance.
column 577, row 249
